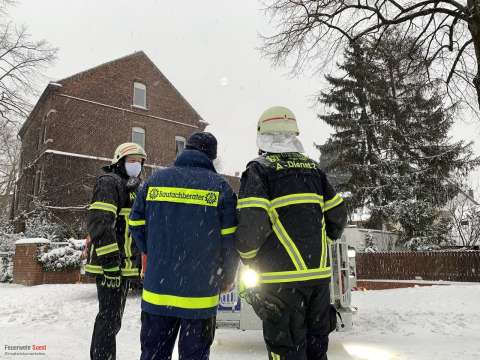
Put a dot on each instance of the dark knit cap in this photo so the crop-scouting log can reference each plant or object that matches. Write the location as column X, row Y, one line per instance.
column 204, row 142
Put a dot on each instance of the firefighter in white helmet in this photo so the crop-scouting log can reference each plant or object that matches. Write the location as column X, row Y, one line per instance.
column 112, row 256
column 287, row 214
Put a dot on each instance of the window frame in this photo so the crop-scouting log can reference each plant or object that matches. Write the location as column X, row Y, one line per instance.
column 182, row 139
column 141, row 86
column 139, row 130
column 37, row 183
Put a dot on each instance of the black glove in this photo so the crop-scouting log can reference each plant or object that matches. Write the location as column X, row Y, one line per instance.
column 266, row 306
column 111, row 278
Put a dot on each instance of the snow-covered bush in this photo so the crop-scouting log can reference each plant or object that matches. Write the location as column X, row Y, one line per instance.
column 39, row 225
column 7, row 241
column 371, row 249
column 369, row 243
column 6, row 267
column 7, row 251
column 421, row 244
column 58, row 258
column 421, row 224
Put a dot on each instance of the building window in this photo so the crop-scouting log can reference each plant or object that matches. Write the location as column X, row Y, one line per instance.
column 138, row 136
column 179, row 144
column 139, row 95
column 37, row 186
column 48, row 119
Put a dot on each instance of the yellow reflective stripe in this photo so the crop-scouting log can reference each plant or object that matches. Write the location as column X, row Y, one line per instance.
column 324, row 254
column 300, row 275
column 127, row 246
column 254, row 202
column 287, row 242
column 293, row 199
column 275, row 356
column 333, row 202
column 115, row 268
column 130, row 272
column 107, row 249
column 183, row 195
column 228, row 231
column 125, row 211
column 136, row 223
column 277, row 226
column 248, row 254
column 93, row 269
column 180, row 301
column 100, row 205
column 97, row 269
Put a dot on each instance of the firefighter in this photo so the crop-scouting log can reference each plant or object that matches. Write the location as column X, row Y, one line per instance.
column 112, row 256
column 184, row 220
column 287, row 214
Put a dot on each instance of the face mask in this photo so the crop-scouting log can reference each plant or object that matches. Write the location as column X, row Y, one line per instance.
column 133, row 169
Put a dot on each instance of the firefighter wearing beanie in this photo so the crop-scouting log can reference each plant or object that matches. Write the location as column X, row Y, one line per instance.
column 189, row 211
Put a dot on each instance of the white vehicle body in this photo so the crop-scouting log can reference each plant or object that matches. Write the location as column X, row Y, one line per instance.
column 236, row 313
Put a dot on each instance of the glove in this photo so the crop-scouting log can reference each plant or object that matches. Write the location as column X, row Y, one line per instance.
column 111, row 278
column 266, row 306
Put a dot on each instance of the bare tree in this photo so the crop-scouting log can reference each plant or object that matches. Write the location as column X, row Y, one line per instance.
column 9, row 156
column 22, row 61
column 311, row 31
column 465, row 215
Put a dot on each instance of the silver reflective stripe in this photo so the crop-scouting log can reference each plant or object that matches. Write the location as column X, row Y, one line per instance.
column 298, row 199
column 295, row 276
column 251, row 203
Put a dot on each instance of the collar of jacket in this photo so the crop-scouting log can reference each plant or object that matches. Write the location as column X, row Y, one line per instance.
column 116, row 169
column 194, row 158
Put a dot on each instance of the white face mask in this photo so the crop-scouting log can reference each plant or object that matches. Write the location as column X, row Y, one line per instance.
column 133, row 169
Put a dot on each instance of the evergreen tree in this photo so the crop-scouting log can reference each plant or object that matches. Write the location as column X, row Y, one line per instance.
column 391, row 135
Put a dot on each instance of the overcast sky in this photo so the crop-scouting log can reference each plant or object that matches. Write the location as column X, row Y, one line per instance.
column 207, row 49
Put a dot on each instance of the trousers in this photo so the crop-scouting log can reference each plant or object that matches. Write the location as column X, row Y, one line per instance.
column 111, row 303
column 296, row 321
column 159, row 333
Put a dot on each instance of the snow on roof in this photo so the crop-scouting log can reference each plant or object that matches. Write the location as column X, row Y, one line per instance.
column 32, row 241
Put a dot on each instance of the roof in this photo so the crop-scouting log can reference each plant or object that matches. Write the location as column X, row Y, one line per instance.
column 136, row 53
column 53, row 86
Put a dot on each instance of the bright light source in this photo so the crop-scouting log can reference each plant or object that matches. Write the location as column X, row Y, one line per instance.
column 250, row 278
column 351, row 253
column 366, row 352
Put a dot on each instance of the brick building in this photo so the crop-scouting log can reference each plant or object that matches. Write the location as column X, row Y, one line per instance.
column 77, row 123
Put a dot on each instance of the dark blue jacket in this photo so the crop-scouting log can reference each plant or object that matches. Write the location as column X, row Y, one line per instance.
column 184, row 220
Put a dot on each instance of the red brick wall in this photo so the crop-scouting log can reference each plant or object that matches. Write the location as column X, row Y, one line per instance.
column 61, row 277
column 80, row 127
column 26, row 269
column 112, row 83
column 84, row 128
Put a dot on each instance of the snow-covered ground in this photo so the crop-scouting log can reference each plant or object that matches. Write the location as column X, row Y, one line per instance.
column 439, row 322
